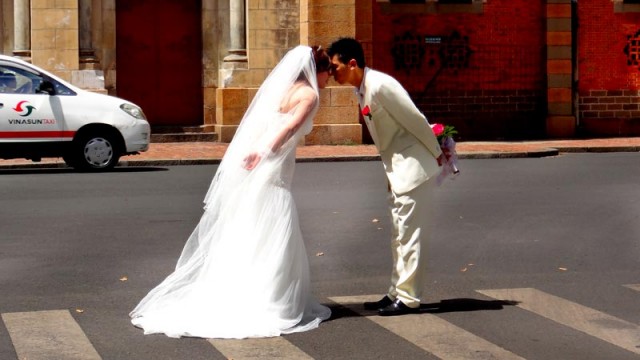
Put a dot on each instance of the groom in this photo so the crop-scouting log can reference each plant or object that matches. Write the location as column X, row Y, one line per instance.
column 411, row 157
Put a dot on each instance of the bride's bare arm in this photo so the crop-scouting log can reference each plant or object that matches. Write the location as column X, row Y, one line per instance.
column 303, row 100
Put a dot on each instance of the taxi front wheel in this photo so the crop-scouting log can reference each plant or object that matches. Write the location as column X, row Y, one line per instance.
column 93, row 152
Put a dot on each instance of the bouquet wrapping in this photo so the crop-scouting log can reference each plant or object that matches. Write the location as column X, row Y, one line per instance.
column 445, row 133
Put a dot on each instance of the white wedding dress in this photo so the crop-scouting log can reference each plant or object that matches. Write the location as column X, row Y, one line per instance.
column 244, row 271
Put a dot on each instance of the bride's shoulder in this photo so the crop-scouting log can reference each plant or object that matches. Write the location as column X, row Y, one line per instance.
column 299, row 93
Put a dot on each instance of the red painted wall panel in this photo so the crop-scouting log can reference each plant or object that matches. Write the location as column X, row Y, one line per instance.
column 602, row 38
column 486, row 76
column 507, row 42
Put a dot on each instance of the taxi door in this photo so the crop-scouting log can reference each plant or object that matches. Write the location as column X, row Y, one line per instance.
column 25, row 114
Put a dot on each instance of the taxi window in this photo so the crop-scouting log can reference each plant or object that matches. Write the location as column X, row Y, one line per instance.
column 15, row 80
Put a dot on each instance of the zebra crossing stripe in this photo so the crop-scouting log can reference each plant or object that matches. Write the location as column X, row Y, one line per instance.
column 592, row 322
column 46, row 335
column 262, row 348
column 431, row 333
column 635, row 287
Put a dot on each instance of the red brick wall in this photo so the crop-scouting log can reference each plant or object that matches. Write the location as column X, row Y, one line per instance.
column 602, row 63
column 608, row 86
column 495, row 88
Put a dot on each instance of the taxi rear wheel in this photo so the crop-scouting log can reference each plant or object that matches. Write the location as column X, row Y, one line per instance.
column 93, row 152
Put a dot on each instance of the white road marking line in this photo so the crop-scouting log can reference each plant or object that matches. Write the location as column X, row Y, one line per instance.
column 592, row 322
column 46, row 335
column 433, row 334
column 262, row 348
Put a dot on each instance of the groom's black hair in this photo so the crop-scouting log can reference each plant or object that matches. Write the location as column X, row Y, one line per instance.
column 347, row 49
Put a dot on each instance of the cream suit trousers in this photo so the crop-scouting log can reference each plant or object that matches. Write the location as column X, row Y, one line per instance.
column 412, row 217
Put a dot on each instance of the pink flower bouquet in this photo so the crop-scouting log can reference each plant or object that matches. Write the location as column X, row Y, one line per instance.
column 445, row 133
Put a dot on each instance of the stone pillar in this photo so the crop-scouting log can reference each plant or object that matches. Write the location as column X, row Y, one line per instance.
column 89, row 75
column 237, row 33
column 211, row 43
column 4, row 24
column 88, row 58
column 231, row 96
column 105, row 41
column 54, row 37
column 274, row 27
column 561, row 121
column 22, row 29
column 322, row 22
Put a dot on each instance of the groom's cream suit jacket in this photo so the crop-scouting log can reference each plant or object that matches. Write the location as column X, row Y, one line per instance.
column 408, row 148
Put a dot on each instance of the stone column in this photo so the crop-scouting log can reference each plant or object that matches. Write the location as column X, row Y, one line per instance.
column 237, row 33
column 22, row 29
column 55, row 20
column 561, row 121
column 321, row 22
column 88, row 58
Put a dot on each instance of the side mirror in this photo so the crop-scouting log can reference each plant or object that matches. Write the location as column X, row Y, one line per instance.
column 46, row 87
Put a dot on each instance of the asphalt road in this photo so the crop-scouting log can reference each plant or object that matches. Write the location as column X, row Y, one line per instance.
column 530, row 258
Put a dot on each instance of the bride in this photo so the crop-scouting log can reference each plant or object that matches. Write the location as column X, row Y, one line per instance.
column 247, row 250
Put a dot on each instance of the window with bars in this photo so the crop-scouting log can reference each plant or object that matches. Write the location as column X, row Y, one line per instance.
column 632, row 50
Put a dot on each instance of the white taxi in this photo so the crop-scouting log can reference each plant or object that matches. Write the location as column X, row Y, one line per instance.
column 41, row 115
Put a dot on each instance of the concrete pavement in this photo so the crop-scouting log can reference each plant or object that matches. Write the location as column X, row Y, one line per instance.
column 192, row 153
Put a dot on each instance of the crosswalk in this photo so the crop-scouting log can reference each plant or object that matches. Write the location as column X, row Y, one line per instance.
column 55, row 334
column 595, row 323
column 44, row 335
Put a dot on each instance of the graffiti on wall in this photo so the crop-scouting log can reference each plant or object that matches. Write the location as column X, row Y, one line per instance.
column 632, row 49
column 408, row 51
column 411, row 51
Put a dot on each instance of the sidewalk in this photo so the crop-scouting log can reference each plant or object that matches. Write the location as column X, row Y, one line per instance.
column 193, row 153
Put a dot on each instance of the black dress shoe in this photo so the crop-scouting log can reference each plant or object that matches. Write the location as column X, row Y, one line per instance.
column 376, row 305
column 397, row 308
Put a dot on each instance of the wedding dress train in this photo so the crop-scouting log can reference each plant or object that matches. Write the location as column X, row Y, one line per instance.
column 244, row 271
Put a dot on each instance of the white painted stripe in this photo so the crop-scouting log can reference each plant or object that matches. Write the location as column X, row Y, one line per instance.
column 46, row 335
column 263, row 348
column 432, row 334
column 595, row 323
column 635, row 287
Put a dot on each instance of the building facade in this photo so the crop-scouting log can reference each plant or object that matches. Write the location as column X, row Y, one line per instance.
column 495, row 69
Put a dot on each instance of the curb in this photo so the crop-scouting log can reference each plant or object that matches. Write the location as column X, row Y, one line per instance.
column 509, row 155
column 599, row 149
column 311, row 159
column 537, row 153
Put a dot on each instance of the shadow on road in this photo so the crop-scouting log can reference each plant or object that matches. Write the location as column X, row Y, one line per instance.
column 128, row 169
column 444, row 306
column 465, row 304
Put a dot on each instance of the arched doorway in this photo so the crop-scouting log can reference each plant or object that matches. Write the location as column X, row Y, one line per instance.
column 159, row 59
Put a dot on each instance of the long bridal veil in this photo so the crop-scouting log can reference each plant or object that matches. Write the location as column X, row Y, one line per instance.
column 257, row 126
column 244, row 270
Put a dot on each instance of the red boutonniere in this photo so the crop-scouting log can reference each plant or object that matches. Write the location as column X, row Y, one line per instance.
column 366, row 112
